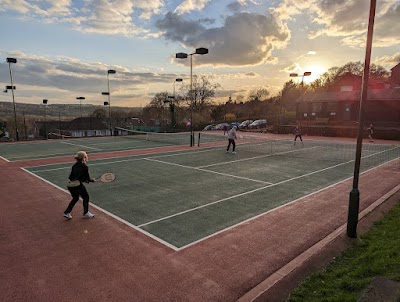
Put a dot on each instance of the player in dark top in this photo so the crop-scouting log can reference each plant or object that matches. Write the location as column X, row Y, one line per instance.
column 79, row 174
column 297, row 134
column 370, row 130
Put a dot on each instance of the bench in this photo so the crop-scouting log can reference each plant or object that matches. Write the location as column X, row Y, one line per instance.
column 322, row 120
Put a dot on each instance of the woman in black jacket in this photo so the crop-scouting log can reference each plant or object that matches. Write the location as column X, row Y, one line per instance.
column 79, row 175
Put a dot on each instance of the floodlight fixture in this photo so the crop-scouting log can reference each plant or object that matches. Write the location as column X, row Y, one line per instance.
column 182, row 55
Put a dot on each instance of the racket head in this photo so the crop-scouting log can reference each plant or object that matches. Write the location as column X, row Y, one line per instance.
column 106, row 177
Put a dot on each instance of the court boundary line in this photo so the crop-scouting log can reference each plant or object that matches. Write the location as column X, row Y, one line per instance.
column 242, row 194
column 68, row 143
column 281, row 206
column 250, row 158
column 208, row 171
column 5, row 159
column 176, row 249
column 104, row 151
column 127, row 158
column 167, row 244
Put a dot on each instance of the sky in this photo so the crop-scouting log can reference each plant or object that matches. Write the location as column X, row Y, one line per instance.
column 64, row 48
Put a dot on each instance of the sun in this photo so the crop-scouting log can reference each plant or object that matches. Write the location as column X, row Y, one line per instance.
column 316, row 72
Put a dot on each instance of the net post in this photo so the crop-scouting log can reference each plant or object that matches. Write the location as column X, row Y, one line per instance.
column 198, row 141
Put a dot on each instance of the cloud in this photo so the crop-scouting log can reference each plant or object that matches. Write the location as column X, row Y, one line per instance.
column 61, row 79
column 388, row 62
column 191, row 5
column 119, row 17
column 346, row 19
column 244, row 38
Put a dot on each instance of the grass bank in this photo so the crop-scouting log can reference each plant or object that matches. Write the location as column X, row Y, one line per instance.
column 376, row 253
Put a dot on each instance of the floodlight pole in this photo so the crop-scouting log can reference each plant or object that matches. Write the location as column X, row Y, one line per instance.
column 305, row 74
column 110, row 71
column 191, row 102
column 80, row 98
column 9, row 61
column 172, row 105
column 45, row 118
column 181, row 55
column 354, row 200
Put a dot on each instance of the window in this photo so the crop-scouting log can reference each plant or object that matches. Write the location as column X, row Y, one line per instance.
column 316, row 107
column 346, row 88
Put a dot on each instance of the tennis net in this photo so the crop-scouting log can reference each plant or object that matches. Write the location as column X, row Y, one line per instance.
column 179, row 138
column 314, row 150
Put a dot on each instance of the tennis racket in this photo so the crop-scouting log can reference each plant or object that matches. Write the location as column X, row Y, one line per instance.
column 106, row 177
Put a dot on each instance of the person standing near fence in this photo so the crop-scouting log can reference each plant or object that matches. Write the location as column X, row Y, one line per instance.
column 79, row 174
column 297, row 134
column 232, row 136
column 370, row 130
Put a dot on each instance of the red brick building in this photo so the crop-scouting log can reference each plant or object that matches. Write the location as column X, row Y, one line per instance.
column 339, row 105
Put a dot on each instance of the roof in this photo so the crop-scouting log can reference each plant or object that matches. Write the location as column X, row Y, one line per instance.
column 81, row 123
column 392, row 94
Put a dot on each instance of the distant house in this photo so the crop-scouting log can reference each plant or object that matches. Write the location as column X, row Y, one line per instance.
column 340, row 103
column 79, row 127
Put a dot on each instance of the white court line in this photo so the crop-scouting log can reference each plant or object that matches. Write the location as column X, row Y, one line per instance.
column 250, row 158
column 274, row 209
column 137, row 228
column 119, row 161
column 5, row 159
column 84, row 146
column 255, row 190
column 108, row 213
column 208, row 171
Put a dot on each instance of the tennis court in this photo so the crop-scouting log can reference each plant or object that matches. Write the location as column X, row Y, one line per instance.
column 181, row 198
column 67, row 147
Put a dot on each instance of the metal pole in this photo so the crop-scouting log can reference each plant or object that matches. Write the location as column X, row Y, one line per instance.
column 191, row 103
column 15, row 111
column 45, row 121
column 59, row 123
column 109, row 102
column 26, row 133
column 354, row 200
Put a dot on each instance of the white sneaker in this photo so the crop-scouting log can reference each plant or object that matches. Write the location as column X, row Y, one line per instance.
column 226, row 151
column 233, row 152
column 67, row 215
column 88, row 215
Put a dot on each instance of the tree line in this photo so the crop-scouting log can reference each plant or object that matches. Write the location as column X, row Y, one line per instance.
column 258, row 103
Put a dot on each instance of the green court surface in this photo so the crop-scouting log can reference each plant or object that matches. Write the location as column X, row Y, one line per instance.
column 68, row 147
column 181, row 198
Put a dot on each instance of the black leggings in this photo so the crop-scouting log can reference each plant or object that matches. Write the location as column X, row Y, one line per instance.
column 75, row 193
column 298, row 136
column 231, row 141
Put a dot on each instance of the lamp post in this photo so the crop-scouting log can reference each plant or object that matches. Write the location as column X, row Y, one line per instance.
column 354, row 199
column 45, row 119
column 182, row 55
column 9, row 61
column 80, row 98
column 107, row 104
column 305, row 74
column 172, row 104
column 109, row 110
column 176, row 80
column 110, row 71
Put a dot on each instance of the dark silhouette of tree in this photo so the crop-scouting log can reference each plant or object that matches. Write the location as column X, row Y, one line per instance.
column 99, row 113
column 203, row 92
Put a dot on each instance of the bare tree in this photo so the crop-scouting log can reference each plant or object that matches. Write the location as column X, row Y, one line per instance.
column 203, row 92
column 259, row 94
